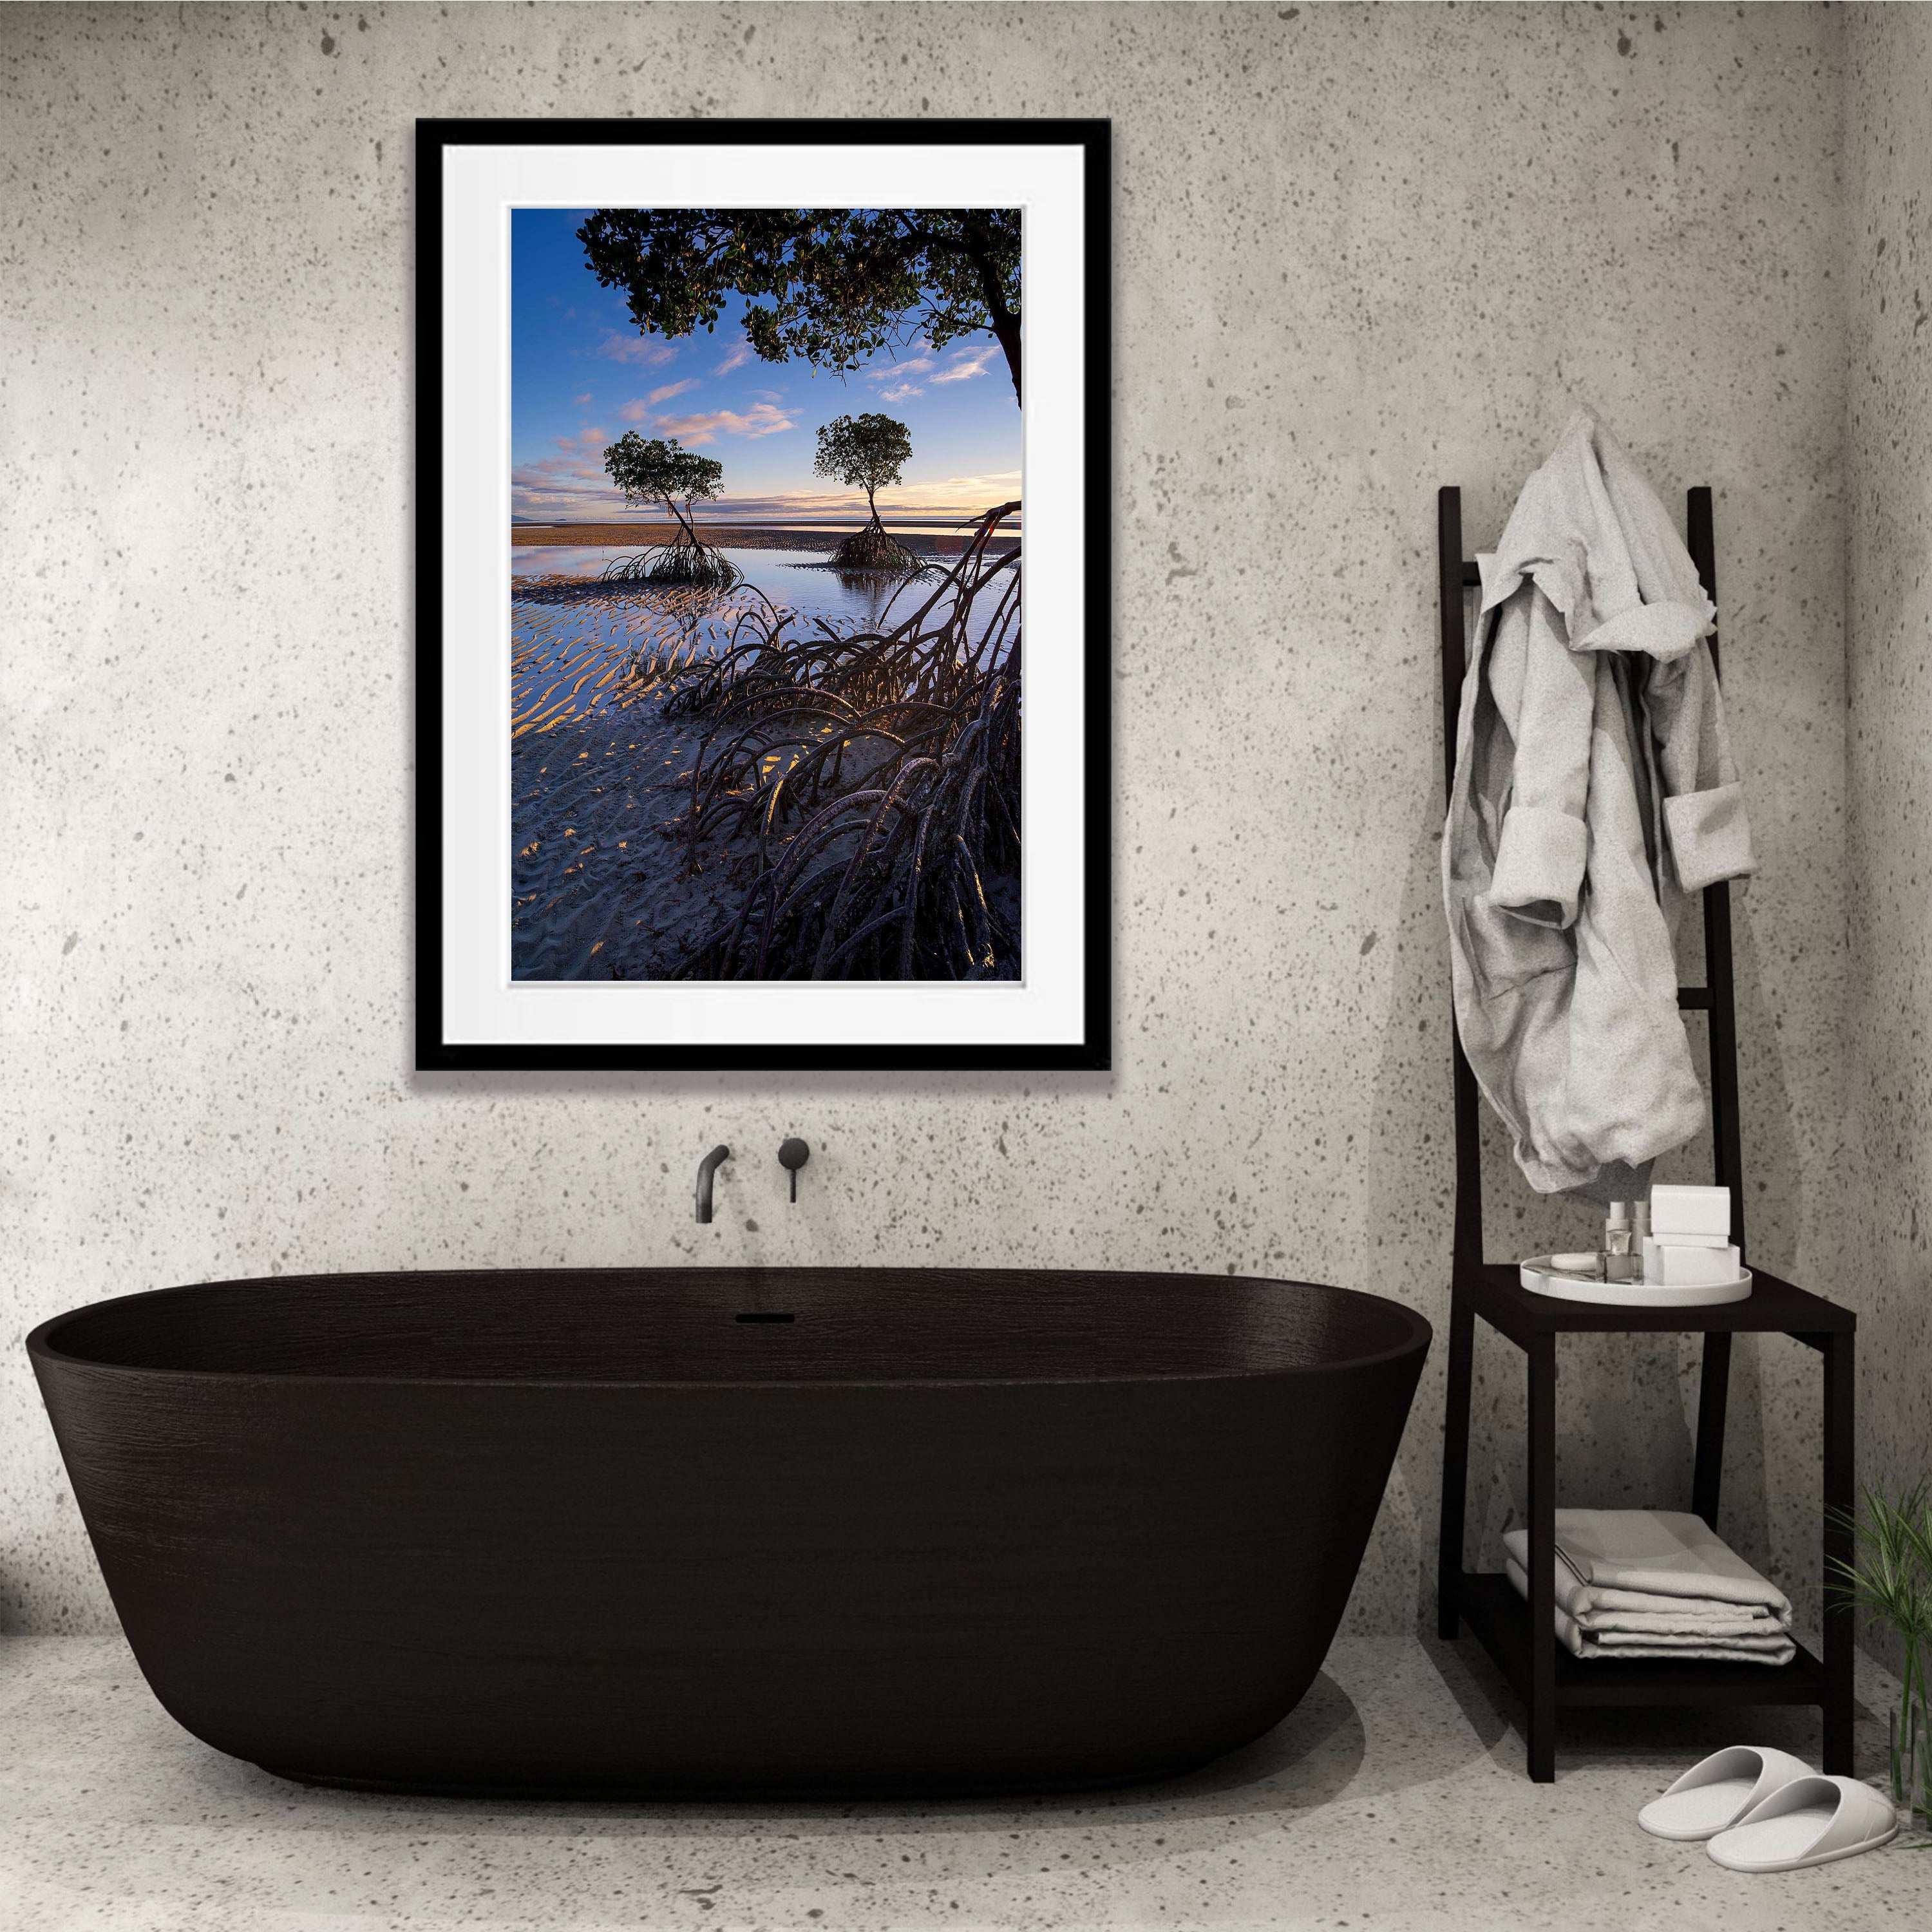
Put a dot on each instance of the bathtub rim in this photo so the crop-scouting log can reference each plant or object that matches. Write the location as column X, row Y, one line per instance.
column 1417, row 1337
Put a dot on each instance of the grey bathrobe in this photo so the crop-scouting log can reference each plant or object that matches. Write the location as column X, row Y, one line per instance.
column 1594, row 789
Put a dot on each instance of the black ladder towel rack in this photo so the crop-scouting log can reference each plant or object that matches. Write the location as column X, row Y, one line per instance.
column 1541, row 1673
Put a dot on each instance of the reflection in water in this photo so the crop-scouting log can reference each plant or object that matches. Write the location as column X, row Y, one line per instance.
column 800, row 581
column 876, row 591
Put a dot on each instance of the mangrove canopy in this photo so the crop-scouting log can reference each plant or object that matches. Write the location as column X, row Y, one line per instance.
column 867, row 452
column 833, row 285
column 659, row 471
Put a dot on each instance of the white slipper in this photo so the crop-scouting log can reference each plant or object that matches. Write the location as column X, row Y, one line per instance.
column 1712, row 1796
column 1809, row 1822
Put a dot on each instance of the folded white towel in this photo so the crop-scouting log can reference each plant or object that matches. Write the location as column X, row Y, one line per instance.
column 1679, row 1619
column 1652, row 1553
column 1777, row 1648
column 1774, row 1647
column 1582, row 1596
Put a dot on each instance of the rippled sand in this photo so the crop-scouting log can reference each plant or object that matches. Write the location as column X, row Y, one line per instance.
column 601, row 880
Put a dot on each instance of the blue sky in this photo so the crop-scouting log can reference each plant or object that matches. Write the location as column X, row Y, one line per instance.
column 581, row 375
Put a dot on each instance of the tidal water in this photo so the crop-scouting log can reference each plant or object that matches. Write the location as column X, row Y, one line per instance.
column 784, row 576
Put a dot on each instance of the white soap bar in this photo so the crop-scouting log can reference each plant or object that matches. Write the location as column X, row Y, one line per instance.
column 1690, row 1210
column 1670, row 1264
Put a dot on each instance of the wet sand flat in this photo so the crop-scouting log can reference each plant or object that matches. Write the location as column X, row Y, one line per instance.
column 602, row 881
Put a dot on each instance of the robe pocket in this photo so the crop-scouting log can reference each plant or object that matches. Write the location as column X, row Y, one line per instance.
column 1505, row 953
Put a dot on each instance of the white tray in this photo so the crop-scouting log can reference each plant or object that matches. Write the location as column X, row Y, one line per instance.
column 1537, row 1279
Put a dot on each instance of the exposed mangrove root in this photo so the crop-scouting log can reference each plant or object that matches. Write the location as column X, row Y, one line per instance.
column 879, row 770
column 875, row 548
column 683, row 561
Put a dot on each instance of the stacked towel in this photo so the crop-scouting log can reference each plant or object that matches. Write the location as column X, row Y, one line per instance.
column 1656, row 1583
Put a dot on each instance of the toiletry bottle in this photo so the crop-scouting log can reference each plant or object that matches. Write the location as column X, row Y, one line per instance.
column 1617, row 1261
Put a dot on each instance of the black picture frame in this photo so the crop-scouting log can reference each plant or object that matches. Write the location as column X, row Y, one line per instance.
column 1093, row 1051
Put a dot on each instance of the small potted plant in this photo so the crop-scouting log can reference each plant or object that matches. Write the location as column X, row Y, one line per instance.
column 1889, row 1583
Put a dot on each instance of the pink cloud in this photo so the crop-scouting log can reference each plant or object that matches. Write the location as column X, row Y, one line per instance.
column 562, row 484
column 555, row 469
column 912, row 365
column 639, row 409
column 562, row 489
column 650, row 351
column 761, row 419
column 735, row 357
column 967, row 363
column 899, row 392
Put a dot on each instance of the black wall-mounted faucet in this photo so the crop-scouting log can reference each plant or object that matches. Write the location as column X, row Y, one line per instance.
column 706, row 1168
column 794, row 1155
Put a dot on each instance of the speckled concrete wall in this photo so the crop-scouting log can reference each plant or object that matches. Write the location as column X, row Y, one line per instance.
column 1361, row 253
column 1888, row 175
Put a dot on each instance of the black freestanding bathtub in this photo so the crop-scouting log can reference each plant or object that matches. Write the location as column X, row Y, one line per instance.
column 713, row 1531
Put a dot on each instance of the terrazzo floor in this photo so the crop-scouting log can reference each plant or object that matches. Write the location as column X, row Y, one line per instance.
column 1393, row 1797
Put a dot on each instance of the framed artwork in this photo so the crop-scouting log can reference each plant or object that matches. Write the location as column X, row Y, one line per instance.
column 762, row 595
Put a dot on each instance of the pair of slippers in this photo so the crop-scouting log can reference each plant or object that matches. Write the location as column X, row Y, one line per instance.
column 1767, row 1811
